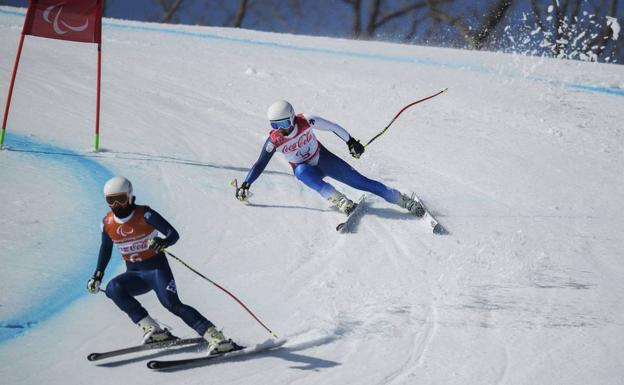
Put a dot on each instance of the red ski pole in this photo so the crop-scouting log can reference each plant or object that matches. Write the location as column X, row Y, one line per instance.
column 400, row 112
column 222, row 288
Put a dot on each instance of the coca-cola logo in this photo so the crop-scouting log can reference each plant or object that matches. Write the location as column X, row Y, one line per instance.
column 301, row 141
column 134, row 247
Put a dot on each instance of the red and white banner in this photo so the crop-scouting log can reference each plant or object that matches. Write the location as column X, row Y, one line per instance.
column 75, row 20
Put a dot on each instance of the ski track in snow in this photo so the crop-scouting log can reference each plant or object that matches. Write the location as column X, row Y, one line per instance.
column 424, row 333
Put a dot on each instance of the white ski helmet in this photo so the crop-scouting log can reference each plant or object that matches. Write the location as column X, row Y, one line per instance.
column 118, row 186
column 281, row 114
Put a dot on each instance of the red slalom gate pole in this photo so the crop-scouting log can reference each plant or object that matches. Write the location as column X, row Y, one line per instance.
column 8, row 102
column 400, row 112
column 97, row 100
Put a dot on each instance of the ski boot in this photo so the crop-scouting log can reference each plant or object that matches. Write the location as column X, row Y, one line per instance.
column 152, row 332
column 342, row 203
column 412, row 205
column 217, row 343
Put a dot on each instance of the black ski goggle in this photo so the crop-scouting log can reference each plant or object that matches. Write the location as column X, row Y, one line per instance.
column 117, row 200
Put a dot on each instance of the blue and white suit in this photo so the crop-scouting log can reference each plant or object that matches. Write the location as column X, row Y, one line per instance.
column 311, row 162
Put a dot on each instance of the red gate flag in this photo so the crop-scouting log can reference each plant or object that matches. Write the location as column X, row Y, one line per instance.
column 75, row 20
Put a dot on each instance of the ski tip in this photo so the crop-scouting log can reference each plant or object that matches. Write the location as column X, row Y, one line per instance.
column 93, row 356
column 440, row 230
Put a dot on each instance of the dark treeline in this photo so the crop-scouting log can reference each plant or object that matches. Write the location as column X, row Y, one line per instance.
column 573, row 29
column 570, row 29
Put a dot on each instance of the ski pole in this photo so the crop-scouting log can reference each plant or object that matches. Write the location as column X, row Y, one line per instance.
column 222, row 288
column 400, row 112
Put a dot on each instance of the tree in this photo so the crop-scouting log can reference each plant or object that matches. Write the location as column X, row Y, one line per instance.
column 477, row 34
column 380, row 14
column 577, row 29
column 357, row 16
column 169, row 9
column 240, row 13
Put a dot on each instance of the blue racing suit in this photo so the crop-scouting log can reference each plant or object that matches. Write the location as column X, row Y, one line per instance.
column 151, row 274
column 318, row 162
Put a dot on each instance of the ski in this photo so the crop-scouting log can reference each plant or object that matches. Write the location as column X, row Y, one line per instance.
column 216, row 357
column 144, row 347
column 343, row 227
column 433, row 223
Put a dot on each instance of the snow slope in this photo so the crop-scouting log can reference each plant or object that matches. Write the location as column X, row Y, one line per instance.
column 521, row 160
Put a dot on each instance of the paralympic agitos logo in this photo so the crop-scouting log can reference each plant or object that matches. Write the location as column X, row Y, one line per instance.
column 53, row 15
column 125, row 233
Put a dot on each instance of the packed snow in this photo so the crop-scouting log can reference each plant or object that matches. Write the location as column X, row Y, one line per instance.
column 521, row 160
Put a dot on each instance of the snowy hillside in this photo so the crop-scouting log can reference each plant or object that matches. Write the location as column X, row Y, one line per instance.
column 521, row 161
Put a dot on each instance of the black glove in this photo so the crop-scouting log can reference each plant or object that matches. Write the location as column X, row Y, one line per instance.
column 355, row 148
column 243, row 191
column 157, row 244
column 93, row 286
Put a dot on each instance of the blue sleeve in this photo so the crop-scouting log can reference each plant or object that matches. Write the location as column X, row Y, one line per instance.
column 106, row 250
column 261, row 163
column 161, row 224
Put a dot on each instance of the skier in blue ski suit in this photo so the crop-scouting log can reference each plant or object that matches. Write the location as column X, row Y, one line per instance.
column 134, row 230
column 293, row 135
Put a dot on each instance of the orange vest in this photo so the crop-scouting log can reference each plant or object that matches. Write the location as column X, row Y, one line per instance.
column 131, row 236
